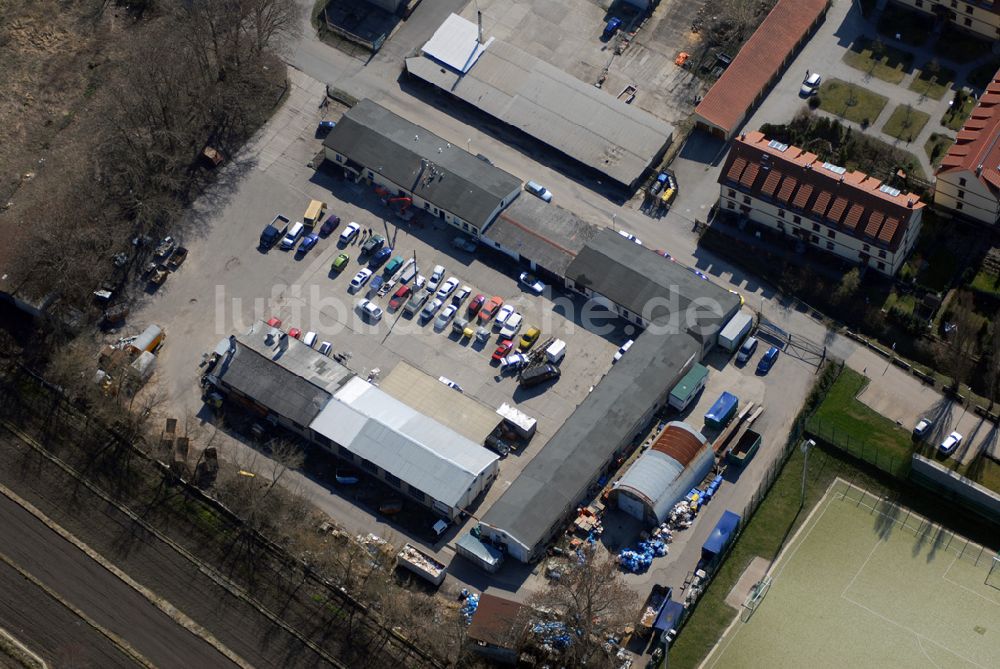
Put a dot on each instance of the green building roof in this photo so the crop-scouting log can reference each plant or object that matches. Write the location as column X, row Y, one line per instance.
column 687, row 385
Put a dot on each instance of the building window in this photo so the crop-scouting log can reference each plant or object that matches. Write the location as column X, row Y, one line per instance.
column 968, row 22
column 815, row 239
column 865, row 247
column 961, row 181
column 781, row 225
column 881, row 254
column 796, row 219
column 881, row 265
column 961, row 194
column 831, row 234
column 968, row 9
column 781, row 213
column 730, row 205
column 920, row 3
column 829, row 246
column 746, row 199
column 417, row 493
column 369, row 465
column 954, row 3
column 393, row 481
column 732, row 193
column 339, row 159
column 371, row 175
column 323, row 440
column 815, row 227
column 958, row 205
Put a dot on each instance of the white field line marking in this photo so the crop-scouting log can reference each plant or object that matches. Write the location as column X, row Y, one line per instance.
column 944, row 577
column 920, row 645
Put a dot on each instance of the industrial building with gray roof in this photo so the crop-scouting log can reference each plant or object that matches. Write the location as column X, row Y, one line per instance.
column 385, row 148
column 601, row 428
column 583, row 122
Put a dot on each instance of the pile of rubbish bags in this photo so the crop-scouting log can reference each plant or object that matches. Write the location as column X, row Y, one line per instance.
column 639, row 560
column 470, row 605
column 553, row 635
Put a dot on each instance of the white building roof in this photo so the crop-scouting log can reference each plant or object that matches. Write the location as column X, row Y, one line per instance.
column 456, row 44
column 415, row 448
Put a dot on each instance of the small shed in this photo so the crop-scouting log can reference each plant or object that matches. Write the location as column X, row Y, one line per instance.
column 722, row 411
column 482, row 554
column 496, row 628
column 688, row 387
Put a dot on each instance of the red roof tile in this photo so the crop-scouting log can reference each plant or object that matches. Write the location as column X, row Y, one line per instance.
column 771, row 183
column 977, row 147
column 757, row 63
column 873, row 210
column 749, row 174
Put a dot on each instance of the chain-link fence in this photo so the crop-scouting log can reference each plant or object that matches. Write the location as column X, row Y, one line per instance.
column 858, row 448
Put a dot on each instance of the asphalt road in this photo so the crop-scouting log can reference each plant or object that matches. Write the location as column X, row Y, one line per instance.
column 60, row 635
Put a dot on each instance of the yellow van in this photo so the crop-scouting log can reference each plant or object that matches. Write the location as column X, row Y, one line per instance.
column 314, row 213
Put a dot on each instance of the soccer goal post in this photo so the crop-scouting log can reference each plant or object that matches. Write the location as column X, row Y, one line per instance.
column 753, row 600
column 993, row 575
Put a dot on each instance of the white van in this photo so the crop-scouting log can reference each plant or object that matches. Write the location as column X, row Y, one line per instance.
column 294, row 232
column 746, row 351
column 556, row 351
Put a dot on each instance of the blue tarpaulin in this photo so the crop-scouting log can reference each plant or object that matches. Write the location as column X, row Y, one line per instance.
column 723, row 410
column 670, row 616
column 720, row 536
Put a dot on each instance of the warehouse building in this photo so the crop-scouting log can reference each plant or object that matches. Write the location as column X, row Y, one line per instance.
column 618, row 140
column 678, row 460
column 601, row 430
column 376, row 146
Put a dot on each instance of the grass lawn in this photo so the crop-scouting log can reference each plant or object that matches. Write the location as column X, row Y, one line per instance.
column 986, row 472
column 905, row 123
column 912, row 27
column 959, row 46
column 850, row 101
column 845, row 422
column 905, row 303
column 936, row 147
column 955, row 117
column 987, row 283
column 932, row 82
column 879, row 59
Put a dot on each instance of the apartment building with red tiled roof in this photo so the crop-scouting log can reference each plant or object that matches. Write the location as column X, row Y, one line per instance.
column 968, row 180
column 758, row 65
column 845, row 213
column 981, row 17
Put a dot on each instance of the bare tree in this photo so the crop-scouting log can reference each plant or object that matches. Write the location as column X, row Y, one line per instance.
column 993, row 366
column 962, row 338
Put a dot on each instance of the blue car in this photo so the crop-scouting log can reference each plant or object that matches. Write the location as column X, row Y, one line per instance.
column 308, row 243
column 380, row 257
column 767, row 362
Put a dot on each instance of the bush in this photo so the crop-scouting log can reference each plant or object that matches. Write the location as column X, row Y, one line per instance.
column 814, row 102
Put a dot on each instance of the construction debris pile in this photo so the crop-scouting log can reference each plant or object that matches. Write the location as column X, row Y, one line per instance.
column 469, row 607
column 639, row 560
column 552, row 635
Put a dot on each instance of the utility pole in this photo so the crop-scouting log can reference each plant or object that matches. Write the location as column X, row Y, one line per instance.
column 807, row 446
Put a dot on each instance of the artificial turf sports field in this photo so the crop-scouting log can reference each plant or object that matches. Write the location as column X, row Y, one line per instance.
column 867, row 584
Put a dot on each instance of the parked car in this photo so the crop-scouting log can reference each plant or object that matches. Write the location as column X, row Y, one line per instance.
column 810, row 84
column 325, row 347
column 451, row 384
column 393, row 265
column 466, row 244
column 513, row 362
column 309, row 339
column 629, row 236
column 295, row 333
column 292, row 236
column 512, row 326
column 746, row 350
column 538, row 191
column 340, row 262
column 372, row 244
column 460, row 295
column 539, row 374
column 374, row 285
column 476, row 304
column 441, row 322
column 437, row 276
column 503, row 350
column 360, row 279
column 622, row 350
column 447, row 288
column 379, row 257
column 371, row 311
column 399, row 297
column 767, row 361
column 529, row 339
column 531, row 282
column 329, row 225
column 349, row 233
column 950, row 443
column 923, row 428
column 431, row 309
column 274, row 322
column 308, row 243
column 506, row 311
column 490, row 308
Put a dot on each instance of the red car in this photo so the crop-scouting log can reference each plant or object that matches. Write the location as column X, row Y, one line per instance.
column 399, row 297
column 274, row 322
column 295, row 332
column 503, row 349
column 476, row 304
column 490, row 308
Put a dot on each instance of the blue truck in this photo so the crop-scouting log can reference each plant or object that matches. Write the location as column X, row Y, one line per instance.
column 274, row 231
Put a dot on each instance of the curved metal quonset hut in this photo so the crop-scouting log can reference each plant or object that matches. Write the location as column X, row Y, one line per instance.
column 678, row 460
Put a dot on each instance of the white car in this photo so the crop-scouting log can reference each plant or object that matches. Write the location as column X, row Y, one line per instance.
column 531, row 282
column 360, row 279
column 506, row 311
column 950, row 443
column 436, row 277
column 923, row 428
column 419, row 282
column 512, row 326
column 309, row 339
column 349, row 233
column 538, row 191
column 447, row 288
column 460, row 296
column 370, row 310
column 513, row 362
column 325, row 348
column 431, row 309
column 629, row 236
column 451, row 384
column 623, row 350
column 810, row 84
column 444, row 317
